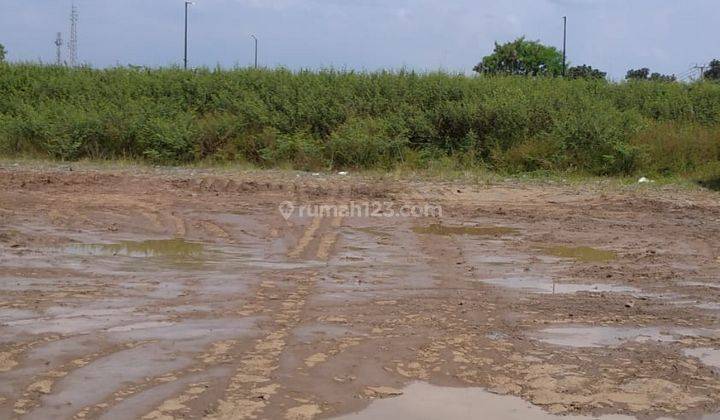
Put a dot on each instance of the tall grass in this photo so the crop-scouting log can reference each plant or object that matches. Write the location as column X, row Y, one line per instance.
column 331, row 119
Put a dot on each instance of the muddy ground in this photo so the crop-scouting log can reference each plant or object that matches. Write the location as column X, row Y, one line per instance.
column 158, row 294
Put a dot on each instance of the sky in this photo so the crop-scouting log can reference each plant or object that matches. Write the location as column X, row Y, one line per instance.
column 668, row 36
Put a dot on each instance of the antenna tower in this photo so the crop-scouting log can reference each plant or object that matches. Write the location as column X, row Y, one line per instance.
column 58, row 44
column 72, row 45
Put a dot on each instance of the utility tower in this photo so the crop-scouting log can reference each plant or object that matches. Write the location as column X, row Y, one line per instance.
column 72, row 44
column 59, row 44
column 701, row 68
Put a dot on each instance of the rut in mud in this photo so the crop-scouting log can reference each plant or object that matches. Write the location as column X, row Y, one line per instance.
column 187, row 294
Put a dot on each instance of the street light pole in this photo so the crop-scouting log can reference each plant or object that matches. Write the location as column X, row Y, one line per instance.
column 564, row 45
column 185, row 60
column 256, row 50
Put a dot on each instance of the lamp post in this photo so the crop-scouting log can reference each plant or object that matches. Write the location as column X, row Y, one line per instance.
column 256, row 49
column 185, row 60
column 564, row 45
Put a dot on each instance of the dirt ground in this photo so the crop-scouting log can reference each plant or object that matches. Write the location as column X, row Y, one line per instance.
column 161, row 293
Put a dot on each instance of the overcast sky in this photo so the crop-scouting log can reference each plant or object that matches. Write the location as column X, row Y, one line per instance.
column 613, row 35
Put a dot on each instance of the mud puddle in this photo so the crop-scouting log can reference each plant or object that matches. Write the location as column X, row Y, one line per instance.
column 577, row 336
column 708, row 356
column 580, row 253
column 75, row 324
column 445, row 230
column 316, row 332
column 701, row 284
column 424, row 401
column 548, row 286
column 166, row 248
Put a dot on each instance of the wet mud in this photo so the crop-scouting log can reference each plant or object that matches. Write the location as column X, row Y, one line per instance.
column 178, row 293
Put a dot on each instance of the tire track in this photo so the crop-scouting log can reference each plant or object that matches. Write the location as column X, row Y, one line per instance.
column 329, row 239
column 308, row 236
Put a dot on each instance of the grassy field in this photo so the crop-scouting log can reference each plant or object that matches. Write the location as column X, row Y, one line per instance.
column 332, row 120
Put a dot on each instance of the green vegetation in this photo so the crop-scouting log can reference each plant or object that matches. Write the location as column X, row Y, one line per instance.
column 644, row 74
column 332, row 120
column 713, row 73
column 522, row 58
column 2, row 53
column 585, row 72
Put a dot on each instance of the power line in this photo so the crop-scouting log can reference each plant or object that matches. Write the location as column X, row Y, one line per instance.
column 702, row 68
column 686, row 75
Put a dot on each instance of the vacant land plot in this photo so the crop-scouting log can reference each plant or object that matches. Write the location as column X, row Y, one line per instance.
column 187, row 294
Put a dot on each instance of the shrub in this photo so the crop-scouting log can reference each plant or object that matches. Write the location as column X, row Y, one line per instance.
column 677, row 149
column 363, row 143
column 332, row 119
column 167, row 140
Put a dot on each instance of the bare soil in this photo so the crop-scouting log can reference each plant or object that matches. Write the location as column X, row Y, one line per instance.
column 141, row 293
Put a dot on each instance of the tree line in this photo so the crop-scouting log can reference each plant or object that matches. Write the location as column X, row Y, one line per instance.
column 531, row 58
column 522, row 57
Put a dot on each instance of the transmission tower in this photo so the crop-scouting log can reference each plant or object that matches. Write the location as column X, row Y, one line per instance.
column 58, row 44
column 72, row 44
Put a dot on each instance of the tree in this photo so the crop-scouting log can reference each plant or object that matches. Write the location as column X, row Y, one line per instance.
column 585, row 72
column 523, row 58
column 657, row 77
column 714, row 72
column 2, row 53
column 639, row 74
column 644, row 74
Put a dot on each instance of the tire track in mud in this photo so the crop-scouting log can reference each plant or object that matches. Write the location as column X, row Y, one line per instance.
column 329, row 239
column 215, row 230
column 252, row 387
column 43, row 384
column 79, row 209
column 215, row 354
column 325, row 240
column 308, row 236
column 11, row 359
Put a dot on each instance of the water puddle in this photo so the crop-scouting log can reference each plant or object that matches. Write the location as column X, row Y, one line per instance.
column 189, row 331
column 580, row 253
column 445, row 230
column 545, row 285
column 374, row 231
column 709, row 356
column 615, row 336
column 167, row 248
column 709, row 306
column 141, row 326
column 701, row 284
column 317, row 332
column 421, row 401
column 496, row 336
column 82, row 323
